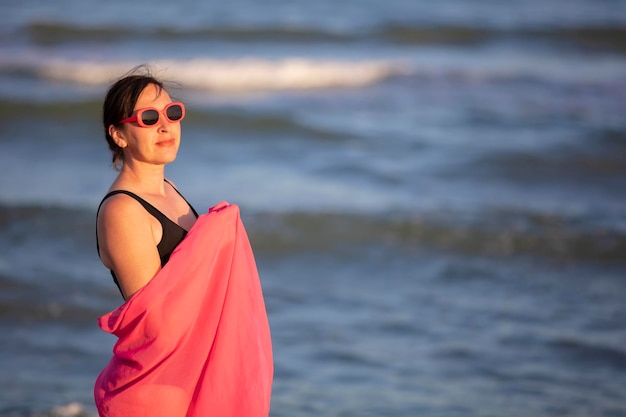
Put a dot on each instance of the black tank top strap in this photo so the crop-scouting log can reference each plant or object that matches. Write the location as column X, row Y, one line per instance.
column 182, row 196
column 149, row 207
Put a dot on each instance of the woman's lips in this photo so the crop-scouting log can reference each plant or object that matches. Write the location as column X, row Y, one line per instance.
column 166, row 142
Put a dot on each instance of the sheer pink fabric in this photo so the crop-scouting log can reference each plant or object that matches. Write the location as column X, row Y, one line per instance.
column 195, row 341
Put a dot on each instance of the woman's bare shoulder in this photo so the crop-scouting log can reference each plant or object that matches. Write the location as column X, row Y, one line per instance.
column 120, row 206
column 123, row 218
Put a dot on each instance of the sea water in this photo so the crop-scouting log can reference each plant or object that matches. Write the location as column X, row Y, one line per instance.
column 434, row 192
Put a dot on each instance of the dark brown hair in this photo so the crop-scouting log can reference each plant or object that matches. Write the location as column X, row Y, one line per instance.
column 120, row 101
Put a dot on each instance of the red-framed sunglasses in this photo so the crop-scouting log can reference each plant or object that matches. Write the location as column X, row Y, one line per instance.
column 149, row 116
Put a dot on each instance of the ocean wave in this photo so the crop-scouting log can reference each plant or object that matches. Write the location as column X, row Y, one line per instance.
column 249, row 74
column 73, row 409
column 598, row 167
column 19, row 311
column 26, row 301
column 12, row 109
column 51, row 33
column 583, row 351
column 591, row 37
column 227, row 75
column 494, row 232
column 210, row 118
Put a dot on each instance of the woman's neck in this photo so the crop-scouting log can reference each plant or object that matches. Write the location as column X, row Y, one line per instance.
column 144, row 178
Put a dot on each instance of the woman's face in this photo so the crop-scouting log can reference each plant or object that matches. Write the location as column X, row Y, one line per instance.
column 156, row 144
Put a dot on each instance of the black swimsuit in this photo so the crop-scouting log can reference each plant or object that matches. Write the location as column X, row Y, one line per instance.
column 172, row 235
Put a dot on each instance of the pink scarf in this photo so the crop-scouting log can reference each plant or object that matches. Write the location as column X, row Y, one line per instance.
column 195, row 341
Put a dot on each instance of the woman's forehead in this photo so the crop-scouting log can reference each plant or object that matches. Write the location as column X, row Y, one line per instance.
column 152, row 94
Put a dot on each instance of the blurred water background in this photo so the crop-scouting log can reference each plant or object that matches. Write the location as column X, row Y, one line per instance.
column 434, row 192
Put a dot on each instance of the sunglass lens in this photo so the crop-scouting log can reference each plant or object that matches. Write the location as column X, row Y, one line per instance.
column 150, row 117
column 175, row 112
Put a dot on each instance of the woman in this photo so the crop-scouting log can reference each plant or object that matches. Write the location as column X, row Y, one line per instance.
column 143, row 217
column 193, row 336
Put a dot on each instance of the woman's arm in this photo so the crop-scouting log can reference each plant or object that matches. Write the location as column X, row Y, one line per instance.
column 128, row 238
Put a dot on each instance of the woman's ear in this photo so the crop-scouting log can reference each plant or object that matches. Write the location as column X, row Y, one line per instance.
column 118, row 136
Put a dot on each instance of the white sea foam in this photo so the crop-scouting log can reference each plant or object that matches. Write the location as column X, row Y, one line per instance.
column 73, row 409
column 298, row 73
column 243, row 74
